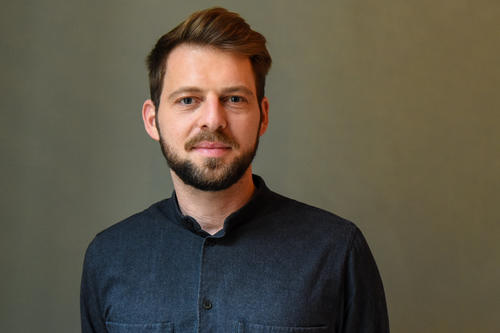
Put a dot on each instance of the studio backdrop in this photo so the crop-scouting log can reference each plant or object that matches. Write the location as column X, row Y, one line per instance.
column 384, row 112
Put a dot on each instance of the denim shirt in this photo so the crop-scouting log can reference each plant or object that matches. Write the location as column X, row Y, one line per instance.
column 277, row 266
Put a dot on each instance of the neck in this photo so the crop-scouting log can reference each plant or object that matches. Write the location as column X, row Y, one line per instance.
column 210, row 209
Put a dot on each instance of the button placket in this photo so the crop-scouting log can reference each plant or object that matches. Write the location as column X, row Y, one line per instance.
column 206, row 303
column 208, row 280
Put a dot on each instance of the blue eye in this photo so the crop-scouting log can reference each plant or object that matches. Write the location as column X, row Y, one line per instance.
column 187, row 100
column 235, row 99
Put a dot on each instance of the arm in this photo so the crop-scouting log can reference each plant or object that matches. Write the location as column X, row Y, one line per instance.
column 365, row 309
column 90, row 309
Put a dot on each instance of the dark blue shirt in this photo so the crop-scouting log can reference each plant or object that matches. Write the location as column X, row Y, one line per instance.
column 277, row 266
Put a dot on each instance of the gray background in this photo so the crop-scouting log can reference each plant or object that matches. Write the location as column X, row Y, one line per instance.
column 385, row 112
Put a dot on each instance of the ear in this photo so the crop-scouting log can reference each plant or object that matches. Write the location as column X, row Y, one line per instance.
column 149, row 119
column 264, row 121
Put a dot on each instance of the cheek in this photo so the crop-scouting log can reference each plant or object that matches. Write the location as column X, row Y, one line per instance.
column 247, row 133
column 172, row 128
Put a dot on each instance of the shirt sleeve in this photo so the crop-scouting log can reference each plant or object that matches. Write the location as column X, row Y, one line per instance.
column 365, row 309
column 90, row 309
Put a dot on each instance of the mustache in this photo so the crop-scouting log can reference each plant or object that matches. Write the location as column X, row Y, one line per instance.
column 211, row 137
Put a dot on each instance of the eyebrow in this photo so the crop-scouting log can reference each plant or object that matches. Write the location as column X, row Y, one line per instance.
column 242, row 89
column 184, row 90
column 195, row 90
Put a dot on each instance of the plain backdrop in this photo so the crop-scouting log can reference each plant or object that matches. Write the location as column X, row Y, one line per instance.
column 385, row 112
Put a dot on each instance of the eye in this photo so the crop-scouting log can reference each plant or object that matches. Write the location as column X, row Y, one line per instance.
column 236, row 99
column 187, row 100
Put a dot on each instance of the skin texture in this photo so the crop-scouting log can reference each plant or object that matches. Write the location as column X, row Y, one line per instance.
column 208, row 116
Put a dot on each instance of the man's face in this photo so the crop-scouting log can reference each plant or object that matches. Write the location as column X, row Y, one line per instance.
column 209, row 120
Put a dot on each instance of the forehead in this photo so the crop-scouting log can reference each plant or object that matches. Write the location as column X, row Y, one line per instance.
column 206, row 68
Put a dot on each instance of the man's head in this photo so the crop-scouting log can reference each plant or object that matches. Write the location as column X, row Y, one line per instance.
column 207, row 104
column 218, row 28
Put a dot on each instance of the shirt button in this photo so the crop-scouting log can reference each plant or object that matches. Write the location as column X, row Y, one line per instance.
column 207, row 305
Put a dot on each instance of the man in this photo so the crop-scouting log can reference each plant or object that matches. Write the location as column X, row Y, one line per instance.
column 224, row 253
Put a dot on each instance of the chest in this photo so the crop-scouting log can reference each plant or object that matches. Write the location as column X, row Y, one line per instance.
column 221, row 286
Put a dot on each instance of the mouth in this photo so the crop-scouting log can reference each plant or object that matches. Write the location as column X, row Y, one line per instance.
column 211, row 149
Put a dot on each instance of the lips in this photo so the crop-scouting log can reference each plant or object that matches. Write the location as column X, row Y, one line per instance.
column 211, row 149
column 211, row 145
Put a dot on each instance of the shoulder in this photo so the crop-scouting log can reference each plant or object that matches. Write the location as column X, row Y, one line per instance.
column 132, row 230
column 312, row 221
column 299, row 210
column 144, row 220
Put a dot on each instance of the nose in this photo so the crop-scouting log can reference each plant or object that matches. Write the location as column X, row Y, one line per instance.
column 213, row 114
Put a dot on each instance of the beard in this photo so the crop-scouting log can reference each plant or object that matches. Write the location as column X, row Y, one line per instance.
column 214, row 175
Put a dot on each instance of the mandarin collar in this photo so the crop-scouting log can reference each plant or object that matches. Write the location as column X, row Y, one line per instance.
column 234, row 219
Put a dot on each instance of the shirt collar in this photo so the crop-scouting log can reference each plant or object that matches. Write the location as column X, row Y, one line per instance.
column 243, row 214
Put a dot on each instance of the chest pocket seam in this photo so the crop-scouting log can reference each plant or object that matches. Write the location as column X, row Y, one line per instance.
column 117, row 327
column 244, row 327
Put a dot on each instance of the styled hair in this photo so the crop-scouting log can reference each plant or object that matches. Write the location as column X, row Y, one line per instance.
column 215, row 27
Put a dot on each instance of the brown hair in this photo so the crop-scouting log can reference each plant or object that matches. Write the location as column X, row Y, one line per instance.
column 215, row 27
